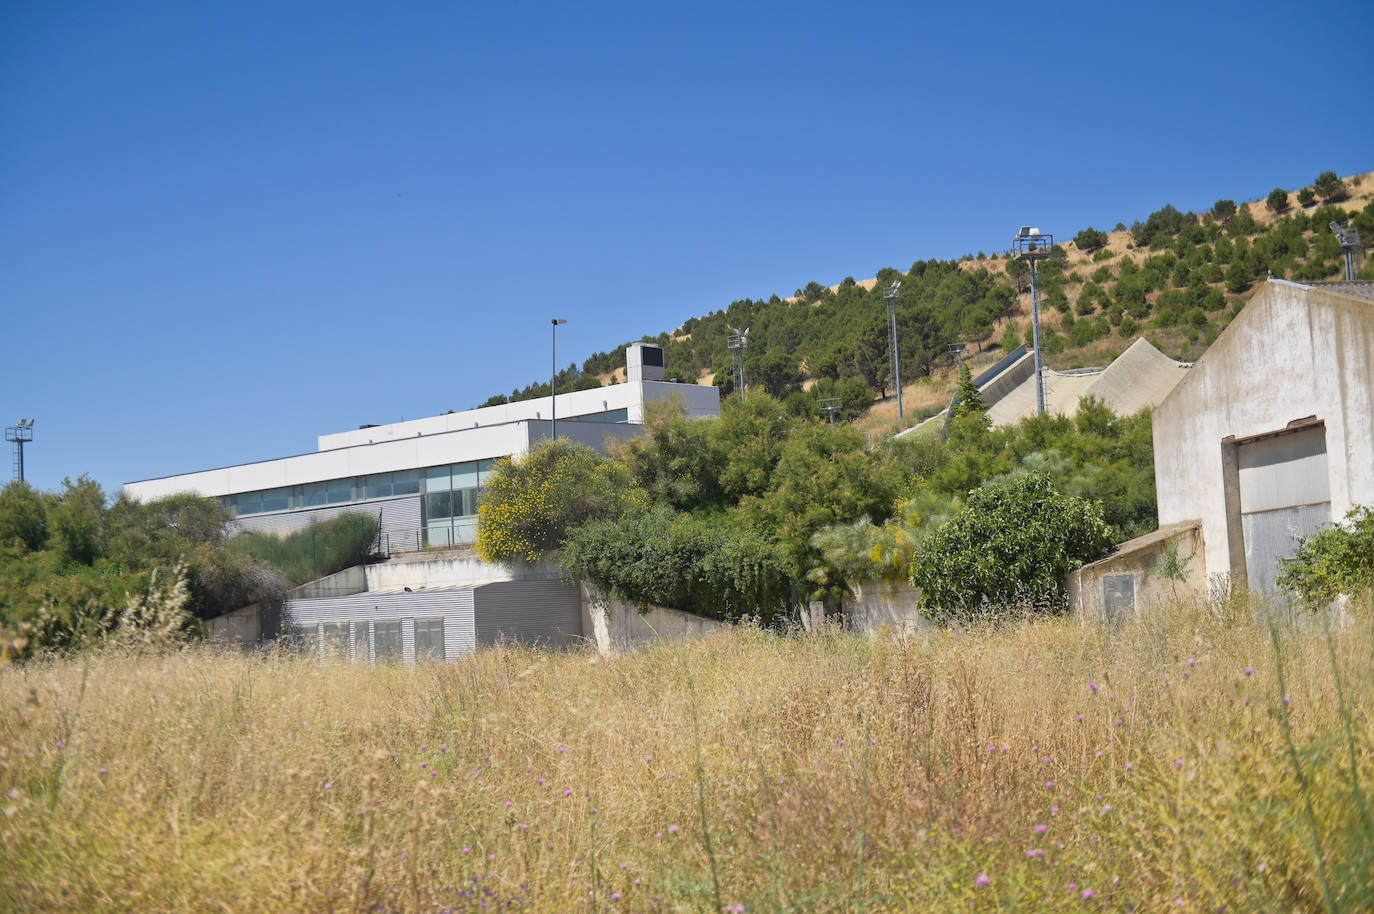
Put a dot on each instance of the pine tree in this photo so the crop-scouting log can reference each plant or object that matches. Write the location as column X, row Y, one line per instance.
column 966, row 397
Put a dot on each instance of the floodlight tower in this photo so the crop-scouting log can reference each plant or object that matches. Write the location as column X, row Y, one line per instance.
column 1030, row 245
column 1349, row 239
column 957, row 350
column 19, row 434
column 891, row 296
column 830, row 405
column 738, row 342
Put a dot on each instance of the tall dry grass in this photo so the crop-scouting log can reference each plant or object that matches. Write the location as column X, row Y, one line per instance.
column 1047, row 766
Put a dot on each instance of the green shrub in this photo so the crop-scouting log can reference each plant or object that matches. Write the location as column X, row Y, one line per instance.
column 1006, row 552
column 1336, row 560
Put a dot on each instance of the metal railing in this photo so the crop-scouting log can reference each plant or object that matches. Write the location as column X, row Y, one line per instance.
column 418, row 539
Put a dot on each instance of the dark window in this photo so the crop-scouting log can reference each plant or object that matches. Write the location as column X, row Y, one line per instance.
column 429, row 639
column 653, row 356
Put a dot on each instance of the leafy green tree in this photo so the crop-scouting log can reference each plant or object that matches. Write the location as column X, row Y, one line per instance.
column 1330, row 187
column 23, row 518
column 77, row 518
column 1277, row 200
column 532, row 502
column 1006, row 552
column 675, row 460
column 1307, row 196
column 1090, row 239
column 1223, row 210
column 967, row 398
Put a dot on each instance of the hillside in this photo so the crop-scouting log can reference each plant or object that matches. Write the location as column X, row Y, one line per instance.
column 1176, row 278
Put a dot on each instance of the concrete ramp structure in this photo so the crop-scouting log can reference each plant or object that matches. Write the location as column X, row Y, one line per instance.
column 1139, row 378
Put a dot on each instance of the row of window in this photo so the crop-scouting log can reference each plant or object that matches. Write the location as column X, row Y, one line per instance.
column 467, row 476
column 374, row 640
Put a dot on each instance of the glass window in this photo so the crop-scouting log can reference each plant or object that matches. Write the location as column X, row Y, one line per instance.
column 339, row 491
column 386, row 640
column 437, row 479
column 315, row 493
column 379, row 486
column 405, row 482
column 465, row 475
column 465, row 531
column 250, row 502
column 484, row 470
column 440, row 534
column 429, row 639
column 229, row 503
column 438, row 505
column 474, row 497
column 360, row 649
column 276, row 500
column 336, row 639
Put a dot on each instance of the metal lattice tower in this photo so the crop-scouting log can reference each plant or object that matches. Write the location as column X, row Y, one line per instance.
column 1030, row 245
column 957, row 350
column 891, row 296
column 830, row 405
column 738, row 342
column 1349, row 239
column 20, row 434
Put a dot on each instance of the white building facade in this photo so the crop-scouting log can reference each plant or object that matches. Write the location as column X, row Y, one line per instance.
column 423, row 478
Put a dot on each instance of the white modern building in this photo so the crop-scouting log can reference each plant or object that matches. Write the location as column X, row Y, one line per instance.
column 422, row 478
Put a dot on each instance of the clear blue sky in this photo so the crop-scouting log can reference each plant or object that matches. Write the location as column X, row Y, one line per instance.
column 226, row 231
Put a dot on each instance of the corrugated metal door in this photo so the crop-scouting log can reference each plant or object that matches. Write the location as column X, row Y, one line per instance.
column 1285, row 494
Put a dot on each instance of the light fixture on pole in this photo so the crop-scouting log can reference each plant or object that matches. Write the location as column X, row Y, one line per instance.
column 1030, row 245
column 891, row 296
column 1349, row 240
column 553, row 379
column 19, row 434
column 738, row 341
column 830, row 405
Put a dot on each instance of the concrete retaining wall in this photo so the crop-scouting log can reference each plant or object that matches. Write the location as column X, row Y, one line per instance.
column 617, row 627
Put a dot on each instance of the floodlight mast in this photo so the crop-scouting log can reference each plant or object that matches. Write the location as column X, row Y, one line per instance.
column 738, row 341
column 19, row 434
column 891, row 296
column 1349, row 239
column 1030, row 245
column 830, row 405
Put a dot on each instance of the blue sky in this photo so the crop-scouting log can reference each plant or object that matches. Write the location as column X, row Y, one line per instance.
column 226, row 231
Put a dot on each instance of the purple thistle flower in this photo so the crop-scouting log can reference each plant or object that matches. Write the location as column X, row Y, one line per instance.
column 615, row 896
column 982, row 879
column 672, row 829
column 1087, row 893
column 1092, row 687
column 1035, row 853
column 1249, row 671
column 1041, row 828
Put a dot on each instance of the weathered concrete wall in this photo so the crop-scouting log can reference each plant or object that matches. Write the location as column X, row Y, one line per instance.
column 240, row 628
column 339, row 584
column 452, row 568
column 1294, row 352
column 617, row 627
column 884, row 604
column 1140, row 559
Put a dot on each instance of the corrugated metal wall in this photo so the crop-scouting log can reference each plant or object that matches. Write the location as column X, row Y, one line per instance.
column 455, row 605
column 533, row 612
column 1285, row 494
column 398, row 514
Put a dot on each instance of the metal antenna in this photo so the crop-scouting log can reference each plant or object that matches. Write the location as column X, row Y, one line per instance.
column 1349, row 239
column 957, row 350
column 891, row 296
column 738, row 342
column 19, row 434
column 1030, row 245
column 830, row 405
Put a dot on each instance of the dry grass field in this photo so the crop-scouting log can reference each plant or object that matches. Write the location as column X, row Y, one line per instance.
column 1187, row 761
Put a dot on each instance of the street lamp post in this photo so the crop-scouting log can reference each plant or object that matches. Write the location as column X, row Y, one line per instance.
column 1030, row 245
column 891, row 296
column 553, row 379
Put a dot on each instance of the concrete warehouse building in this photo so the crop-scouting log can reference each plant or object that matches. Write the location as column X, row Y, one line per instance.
column 1269, row 437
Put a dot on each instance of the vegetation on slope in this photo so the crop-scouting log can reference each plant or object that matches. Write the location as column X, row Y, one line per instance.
column 1186, row 761
column 1177, row 278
